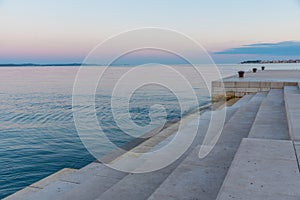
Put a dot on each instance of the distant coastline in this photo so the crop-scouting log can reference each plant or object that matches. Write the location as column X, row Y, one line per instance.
column 269, row 61
column 44, row 65
column 55, row 65
column 86, row 64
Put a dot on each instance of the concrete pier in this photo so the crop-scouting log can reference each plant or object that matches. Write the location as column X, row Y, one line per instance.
column 262, row 81
column 256, row 157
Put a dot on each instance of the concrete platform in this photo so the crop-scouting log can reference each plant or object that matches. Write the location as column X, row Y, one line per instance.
column 268, row 76
column 261, row 81
column 263, row 169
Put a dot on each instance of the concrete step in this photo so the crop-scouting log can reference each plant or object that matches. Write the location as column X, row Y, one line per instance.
column 141, row 186
column 198, row 178
column 271, row 121
column 62, row 184
column 263, row 169
column 232, row 109
column 126, row 183
column 46, row 188
column 138, row 186
column 291, row 90
column 92, row 181
column 297, row 150
column 93, row 189
column 292, row 106
column 242, row 101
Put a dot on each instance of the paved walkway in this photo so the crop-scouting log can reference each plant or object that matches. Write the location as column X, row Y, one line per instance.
column 263, row 170
column 271, row 121
column 268, row 168
column 268, row 76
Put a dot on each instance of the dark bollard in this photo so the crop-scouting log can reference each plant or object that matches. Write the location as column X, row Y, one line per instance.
column 241, row 74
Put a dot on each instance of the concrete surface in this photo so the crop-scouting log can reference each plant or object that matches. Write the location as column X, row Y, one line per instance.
column 46, row 188
column 268, row 76
column 262, row 169
column 292, row 105
column 297, row 149
column 261, row 81
column 271, row 121
column 95, row 185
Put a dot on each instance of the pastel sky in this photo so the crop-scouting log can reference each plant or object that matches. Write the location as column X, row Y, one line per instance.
column 63, row 31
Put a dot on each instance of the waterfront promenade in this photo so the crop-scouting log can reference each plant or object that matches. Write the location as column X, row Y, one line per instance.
column 256, row 157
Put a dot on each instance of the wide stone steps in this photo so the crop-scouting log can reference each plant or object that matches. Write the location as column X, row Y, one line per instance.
column 201, row 179
column 271, row 121
column 141, row 186
column 266, row 165
column 98, row 181
column 292, row 99
column 263, row 169
column 94, row 177
column 292, row 105
column 92, row 186
column 46, row 188
column 129, row 185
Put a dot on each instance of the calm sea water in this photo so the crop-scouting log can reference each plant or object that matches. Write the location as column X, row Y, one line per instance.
column 37, row 131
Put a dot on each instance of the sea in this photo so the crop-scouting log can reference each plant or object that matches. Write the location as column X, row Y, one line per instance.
column 38, row 136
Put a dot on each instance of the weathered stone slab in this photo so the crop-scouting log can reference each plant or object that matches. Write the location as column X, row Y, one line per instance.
column 271, row 121
column 277, row 85
column 255, row 84
column 46, row 188
column 262, row 169
column 242, row 84
column 265, row 84
column 252, row 90
column 230, row 84
column 95, row 185
column 297, row 148
column 54, row 177
column 292, row 105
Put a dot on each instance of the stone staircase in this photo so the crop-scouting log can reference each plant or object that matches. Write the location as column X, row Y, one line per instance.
column 292, row 105
column 271, row 120
column 202, row 179
column 266, row 165
column 254, row 158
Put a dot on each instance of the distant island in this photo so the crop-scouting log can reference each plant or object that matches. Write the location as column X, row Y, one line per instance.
column 269, row 61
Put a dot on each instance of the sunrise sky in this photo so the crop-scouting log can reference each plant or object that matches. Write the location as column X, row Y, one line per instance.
column 64, row 31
